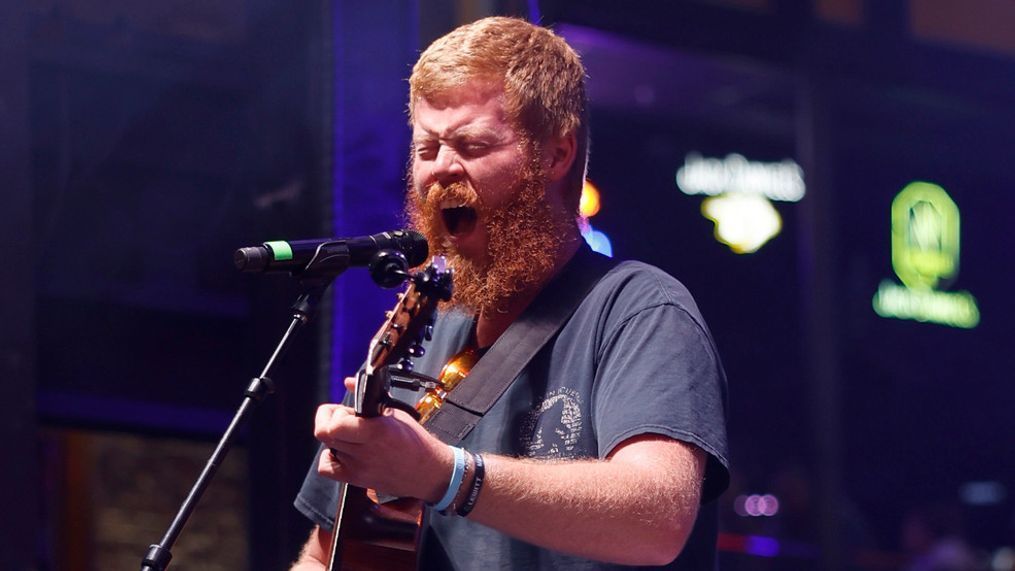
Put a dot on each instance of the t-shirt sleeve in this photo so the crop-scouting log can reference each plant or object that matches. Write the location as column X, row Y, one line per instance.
column 318, row 498
column 658, row 373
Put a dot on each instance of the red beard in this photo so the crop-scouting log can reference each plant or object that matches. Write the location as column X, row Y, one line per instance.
column 524, row 239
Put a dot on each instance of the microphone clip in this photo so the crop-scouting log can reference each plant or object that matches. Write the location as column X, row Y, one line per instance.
column 389, row 268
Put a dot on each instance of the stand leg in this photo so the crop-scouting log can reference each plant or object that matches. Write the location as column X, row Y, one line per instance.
column 158, row 556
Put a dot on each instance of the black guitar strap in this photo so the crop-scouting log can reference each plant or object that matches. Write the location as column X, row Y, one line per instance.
column 511, row 353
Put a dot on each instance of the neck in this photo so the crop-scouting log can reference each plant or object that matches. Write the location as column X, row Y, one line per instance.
column 493, row 322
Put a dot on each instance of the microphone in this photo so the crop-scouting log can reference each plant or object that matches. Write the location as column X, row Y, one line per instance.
column 329, row 256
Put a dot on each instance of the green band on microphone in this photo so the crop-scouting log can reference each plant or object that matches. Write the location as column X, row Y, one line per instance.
column 280, row 250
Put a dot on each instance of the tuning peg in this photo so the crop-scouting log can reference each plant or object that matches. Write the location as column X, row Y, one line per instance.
column 416, row 351
column 428, row 332
column 405, row 365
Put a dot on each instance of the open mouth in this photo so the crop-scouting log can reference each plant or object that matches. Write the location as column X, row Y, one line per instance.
column 459, row 220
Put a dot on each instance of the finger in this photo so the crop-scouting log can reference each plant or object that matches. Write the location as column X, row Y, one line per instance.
column 330, row 465
column 350, row 383
column 333, row 421
column 325, row 416
column 337, row 426
column 348, row 453
column 326, row 411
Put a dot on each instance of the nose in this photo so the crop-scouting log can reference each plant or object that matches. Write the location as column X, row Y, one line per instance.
column 448, row 167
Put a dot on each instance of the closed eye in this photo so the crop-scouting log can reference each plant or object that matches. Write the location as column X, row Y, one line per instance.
column 474, row 149
column 426, row 152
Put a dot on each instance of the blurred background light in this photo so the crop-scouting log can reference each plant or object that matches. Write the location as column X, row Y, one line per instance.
column 925, row 236
column 1003, row 559
column 983, row 493
column 596, row 240
column 762, row 546
column 756, row 505
column 588, row 206
column 925, row 257
column 744, row 222
column 783, row 181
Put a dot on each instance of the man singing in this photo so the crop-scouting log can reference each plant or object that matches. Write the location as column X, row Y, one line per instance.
column 610, row 447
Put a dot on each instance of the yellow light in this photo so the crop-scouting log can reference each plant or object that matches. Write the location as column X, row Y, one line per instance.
column 588, row 205
column 744, row 222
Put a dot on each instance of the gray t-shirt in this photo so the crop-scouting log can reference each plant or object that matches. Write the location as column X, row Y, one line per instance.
column 635, row 358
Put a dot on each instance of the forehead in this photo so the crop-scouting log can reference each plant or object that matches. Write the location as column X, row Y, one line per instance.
column 472, row 106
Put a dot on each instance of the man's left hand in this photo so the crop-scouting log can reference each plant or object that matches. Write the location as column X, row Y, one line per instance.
column 390, row 453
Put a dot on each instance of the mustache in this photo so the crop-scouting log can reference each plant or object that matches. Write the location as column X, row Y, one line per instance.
column 424, row 211
column 459, row 192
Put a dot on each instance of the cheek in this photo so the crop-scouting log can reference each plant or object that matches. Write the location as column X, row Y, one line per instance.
column 417, row 177
column 499, row 190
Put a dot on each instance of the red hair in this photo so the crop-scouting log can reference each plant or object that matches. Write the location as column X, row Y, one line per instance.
column 542, row 77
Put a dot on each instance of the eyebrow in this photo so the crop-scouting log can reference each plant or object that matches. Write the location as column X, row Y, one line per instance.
column 466, row 131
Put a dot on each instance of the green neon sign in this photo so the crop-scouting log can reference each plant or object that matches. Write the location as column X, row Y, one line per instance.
column 925, row 256
column 925, row 236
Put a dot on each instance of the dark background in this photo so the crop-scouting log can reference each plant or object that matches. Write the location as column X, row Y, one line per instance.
column 141, row 144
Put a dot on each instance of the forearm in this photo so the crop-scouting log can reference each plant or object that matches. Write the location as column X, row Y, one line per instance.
column 617, row 510
column 312, row 557
column 636, row 507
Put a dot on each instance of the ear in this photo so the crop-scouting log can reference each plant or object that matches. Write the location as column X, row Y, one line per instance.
column 558, row 156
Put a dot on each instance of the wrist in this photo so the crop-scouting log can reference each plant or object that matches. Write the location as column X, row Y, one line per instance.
column 471, row 492
column 440, row 474
column 467, row 481
column 455, row 481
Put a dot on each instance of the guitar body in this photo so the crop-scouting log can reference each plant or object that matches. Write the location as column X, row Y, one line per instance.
column 377, row 537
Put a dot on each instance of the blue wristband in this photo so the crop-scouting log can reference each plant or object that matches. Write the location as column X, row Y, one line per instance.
column 456, row 480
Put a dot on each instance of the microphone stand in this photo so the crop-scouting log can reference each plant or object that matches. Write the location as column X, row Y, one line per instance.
column 313, row 284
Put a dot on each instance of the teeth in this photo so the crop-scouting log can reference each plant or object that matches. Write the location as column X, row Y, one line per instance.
column 448, row 203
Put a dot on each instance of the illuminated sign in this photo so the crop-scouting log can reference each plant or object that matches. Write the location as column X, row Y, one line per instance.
column 783, row 181
column 739, row 192
column 925, row 257
column 744, row 222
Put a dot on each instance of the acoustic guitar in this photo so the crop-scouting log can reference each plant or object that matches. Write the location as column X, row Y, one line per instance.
column 370, row 533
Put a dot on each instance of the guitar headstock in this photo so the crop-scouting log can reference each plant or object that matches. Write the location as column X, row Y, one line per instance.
column 401, row 335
